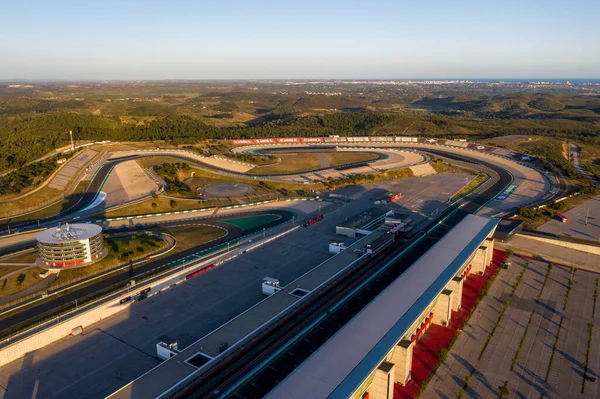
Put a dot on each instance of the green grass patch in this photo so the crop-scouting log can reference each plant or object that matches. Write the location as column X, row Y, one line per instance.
column 250, row 222
column 469, row 186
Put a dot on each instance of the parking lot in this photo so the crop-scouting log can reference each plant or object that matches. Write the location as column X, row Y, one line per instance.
column 521, row 352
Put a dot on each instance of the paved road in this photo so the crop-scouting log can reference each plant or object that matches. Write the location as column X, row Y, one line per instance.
column 575, row 150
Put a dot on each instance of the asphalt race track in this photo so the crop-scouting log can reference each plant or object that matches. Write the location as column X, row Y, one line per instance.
column 274, row 369
column 43, row 309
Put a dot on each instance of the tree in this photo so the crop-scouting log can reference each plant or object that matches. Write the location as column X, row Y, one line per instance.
column 154, row 205
column 173, row 203
column 509, row 252
column 442, row 354
column 21, row 278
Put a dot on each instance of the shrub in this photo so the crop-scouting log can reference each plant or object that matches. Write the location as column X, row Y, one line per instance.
column 442, row 354
column 509, row 252
column 173, row 203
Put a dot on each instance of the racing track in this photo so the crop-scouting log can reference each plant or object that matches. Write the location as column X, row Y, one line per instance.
column 43, row 309
column 267, row 367
column 103, row 172
column 37, row 312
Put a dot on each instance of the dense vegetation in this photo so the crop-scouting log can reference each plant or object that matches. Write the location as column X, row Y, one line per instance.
column 170, row 172
column 36, row 120
column 32, row 174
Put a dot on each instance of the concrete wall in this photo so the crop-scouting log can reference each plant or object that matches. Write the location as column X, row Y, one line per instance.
column 58, row 331
column 345, row 231
column 578, row 247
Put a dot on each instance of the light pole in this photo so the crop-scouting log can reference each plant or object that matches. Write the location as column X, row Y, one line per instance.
column 587, row 215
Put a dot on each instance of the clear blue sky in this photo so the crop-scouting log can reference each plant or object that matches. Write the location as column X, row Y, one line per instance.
column 93, row 39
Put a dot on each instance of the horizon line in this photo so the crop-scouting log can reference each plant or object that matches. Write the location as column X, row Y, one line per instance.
column 532, row 79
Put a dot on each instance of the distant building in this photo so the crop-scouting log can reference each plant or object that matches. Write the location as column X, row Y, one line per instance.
column 70, row 245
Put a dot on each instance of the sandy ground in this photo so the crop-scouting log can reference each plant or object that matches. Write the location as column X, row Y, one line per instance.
column 127, row 182
column 423, row 170
column 228, row 165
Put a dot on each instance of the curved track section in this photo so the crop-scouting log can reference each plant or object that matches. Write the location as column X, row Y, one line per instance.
column 531, row 185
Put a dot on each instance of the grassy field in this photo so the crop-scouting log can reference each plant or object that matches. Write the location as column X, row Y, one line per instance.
column 26, row 257
column 290, row 164
column 205, row 177
column 49, row 211
column 19, row 281
column 4, row 270
column 469, row 186
column 191, row 236
column 342, row 157
column 43, row 196
column 590, row 158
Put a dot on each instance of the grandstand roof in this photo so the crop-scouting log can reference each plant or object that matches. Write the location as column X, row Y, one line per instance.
column 339, row 367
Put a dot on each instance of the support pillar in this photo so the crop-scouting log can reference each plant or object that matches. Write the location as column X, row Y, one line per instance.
column 402, row 358
column 480, row 261
column 456, row 286
column 382, row 386
column 443, row 308
column 489, row 243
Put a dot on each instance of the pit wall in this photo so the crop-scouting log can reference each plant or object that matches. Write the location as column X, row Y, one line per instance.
column 39, row 337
